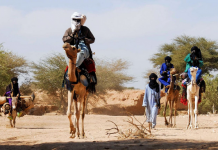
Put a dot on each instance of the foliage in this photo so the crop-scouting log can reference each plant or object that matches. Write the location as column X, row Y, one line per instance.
column 11, row 65
column 148, row 72
column 26, row 88
column 48, row 76
column 210, row 96
column 111, row 74
column 181, row 46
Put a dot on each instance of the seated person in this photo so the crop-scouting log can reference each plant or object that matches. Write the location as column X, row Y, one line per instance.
column 195, row 55
column 165, row 72
column 193, row 60
column 12, row 90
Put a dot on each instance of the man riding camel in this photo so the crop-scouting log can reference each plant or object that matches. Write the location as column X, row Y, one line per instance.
column 81, row 37
column 165, row 72
column 194, row 59
column 12, row 90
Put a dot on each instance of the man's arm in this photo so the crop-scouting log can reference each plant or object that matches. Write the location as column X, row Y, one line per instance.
column 90, row 37
column 67, row 37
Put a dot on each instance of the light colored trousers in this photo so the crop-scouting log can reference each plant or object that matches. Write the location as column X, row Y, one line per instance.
column 151, row 115
column 82, row 55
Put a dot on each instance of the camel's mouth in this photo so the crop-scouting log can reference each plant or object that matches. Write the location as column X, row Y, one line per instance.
column 66, row 45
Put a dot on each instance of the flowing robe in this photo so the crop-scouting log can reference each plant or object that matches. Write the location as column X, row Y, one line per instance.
column 150, row 102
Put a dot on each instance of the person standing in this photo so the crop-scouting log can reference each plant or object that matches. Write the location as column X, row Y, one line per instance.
column 151, row 100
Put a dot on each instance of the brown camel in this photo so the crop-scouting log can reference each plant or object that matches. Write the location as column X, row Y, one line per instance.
column 171, row 96
column 79, row 89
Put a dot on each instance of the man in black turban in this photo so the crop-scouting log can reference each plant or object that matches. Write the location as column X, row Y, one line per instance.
column 151, row 100
column 12, row 90
column 165, row 72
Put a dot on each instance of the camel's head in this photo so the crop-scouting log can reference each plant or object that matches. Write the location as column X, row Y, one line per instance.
column 193, row 70
column 71, row 51
column 172, row 71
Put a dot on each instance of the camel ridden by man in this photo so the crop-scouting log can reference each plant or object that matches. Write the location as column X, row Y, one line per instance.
column 151, row 100
column 81, row 37
column 194, row 59
column 12, row 90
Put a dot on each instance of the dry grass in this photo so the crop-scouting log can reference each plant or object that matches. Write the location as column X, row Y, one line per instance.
column 136, row 130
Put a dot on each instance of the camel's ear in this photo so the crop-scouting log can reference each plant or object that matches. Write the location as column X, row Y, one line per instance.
column 78, row 50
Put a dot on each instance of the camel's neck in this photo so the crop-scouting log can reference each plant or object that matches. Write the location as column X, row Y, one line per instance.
column 72, row 70
column 193, row 83
column 171, row 84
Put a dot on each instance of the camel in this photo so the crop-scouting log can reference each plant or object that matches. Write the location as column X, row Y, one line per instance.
column 192, row 97
column 26, row 102
column 79, row 89
column 171, row 96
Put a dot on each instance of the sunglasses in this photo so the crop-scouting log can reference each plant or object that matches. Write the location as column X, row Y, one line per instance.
column 77, row 20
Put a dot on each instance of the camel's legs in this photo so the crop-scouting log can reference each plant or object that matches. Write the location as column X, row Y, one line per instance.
column 83, row 114
column 77, row 114
column 171, row 112
column 164, row 112
column 189, row 117
column 14, row 114
column 70, row 97
column 196, row 111
column 175, row 107
column 191, row 113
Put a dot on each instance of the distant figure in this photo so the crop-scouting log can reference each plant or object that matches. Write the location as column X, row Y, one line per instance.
column 151, row 100
column 165, row 72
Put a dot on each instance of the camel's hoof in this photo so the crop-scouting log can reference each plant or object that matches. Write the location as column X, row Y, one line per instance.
column 72, row 136
column 166, row 123
column 72, row 130
column 83, row 136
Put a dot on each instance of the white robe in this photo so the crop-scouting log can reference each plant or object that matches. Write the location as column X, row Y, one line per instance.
column 150, row 102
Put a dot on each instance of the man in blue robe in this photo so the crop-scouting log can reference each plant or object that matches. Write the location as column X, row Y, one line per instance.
column 152, row 100
column 165, row 72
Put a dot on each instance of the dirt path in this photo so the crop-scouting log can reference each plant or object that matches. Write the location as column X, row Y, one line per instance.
column 52, row 132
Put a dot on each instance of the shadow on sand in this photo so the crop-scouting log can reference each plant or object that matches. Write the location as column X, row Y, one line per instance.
column 138, row 144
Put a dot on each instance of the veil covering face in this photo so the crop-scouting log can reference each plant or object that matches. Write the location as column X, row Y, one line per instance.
column 76, row 25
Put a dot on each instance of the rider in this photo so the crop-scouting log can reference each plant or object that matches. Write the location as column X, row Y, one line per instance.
column 165, row 72
column 12, row 90
column 194, row 59
column 79, row 36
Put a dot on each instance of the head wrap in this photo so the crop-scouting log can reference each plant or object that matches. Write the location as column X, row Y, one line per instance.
column 168, row 58
column 14, row 79
column 196, row 53
column 76, row 25
column 153, row 83
column 15, row 86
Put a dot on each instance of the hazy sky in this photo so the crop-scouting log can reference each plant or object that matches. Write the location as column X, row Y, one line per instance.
column 132, row 30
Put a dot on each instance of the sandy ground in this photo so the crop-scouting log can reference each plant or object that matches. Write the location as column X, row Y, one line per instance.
column 51, row 131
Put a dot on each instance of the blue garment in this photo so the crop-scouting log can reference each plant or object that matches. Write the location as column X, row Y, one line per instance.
column 198, row 74
column 150, row 102
column 82, row 55
column 165, row 80
column 164, row 67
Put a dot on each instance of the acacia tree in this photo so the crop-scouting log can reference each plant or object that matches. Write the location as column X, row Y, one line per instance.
column 181, row 46
column 10, row 65
column 48, row 75
column 111, row 74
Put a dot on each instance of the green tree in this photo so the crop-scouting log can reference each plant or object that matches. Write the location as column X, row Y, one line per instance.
column 48, row 76
column 210, row 97
column 181, row 46
column 10, row 65
column 111, row 74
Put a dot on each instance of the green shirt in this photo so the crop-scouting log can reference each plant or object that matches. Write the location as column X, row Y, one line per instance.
column 189, row 62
